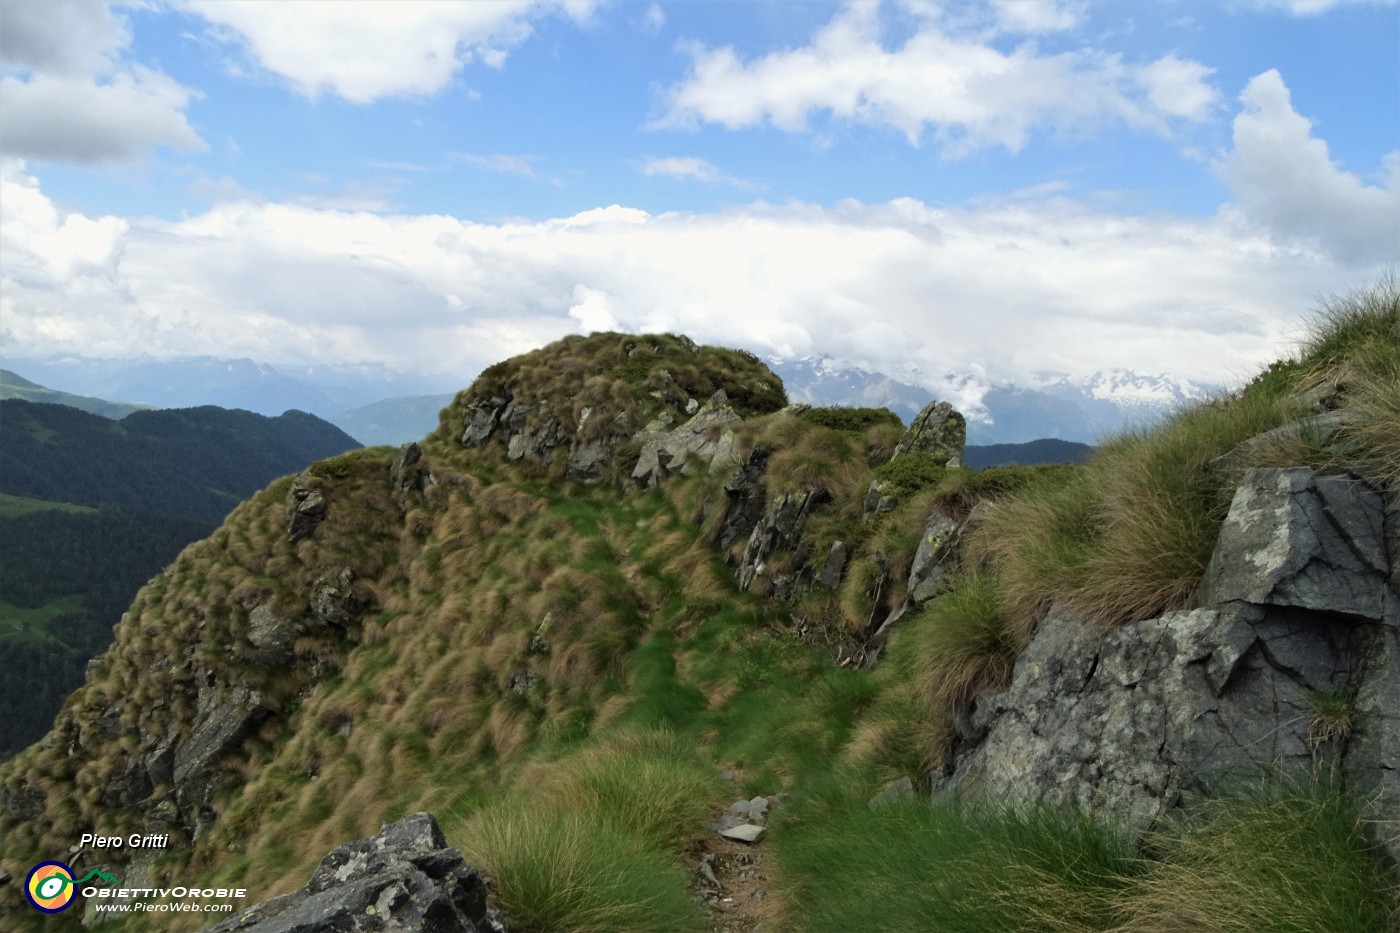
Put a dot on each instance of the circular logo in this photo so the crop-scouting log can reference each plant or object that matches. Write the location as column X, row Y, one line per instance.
column 50, row 887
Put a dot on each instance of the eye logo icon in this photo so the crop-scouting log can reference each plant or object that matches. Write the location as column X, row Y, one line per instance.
column 50, row 887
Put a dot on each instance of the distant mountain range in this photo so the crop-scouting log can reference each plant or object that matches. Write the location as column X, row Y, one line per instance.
column 376, row 405
column 1084, row 410
column 186, row 382
column 15, row 386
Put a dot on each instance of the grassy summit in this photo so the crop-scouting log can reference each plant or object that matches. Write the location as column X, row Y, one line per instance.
column 570, row 678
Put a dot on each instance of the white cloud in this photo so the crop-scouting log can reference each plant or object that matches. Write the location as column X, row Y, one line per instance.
column 1314, row 7
column 652, row 20
column 1003, row 289
column 1033, row 16
column 685, row 168
column 74, row 37
column 71, row 98
column 87, row 120
column 968, row 93
column 499, row 162
column 1284, row 178
column 363, row 50
column 1179, row 87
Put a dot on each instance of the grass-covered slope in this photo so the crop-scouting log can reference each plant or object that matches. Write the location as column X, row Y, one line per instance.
column 565, row 674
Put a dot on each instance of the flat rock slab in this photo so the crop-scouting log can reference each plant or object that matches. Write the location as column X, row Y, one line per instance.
column 747, row 832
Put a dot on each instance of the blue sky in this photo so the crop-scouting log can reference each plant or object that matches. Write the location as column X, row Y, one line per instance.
column 996, row 188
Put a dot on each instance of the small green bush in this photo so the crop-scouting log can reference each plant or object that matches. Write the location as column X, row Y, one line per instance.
column 908, row 473
column 842, row 418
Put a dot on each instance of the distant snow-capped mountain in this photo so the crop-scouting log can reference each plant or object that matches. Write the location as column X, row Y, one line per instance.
column 1083, row 409
column 185, row 382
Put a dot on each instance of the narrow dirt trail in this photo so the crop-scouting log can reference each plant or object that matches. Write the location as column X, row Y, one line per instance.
column 731, row 879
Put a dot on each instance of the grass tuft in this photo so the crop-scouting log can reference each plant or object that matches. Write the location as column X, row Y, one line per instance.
column 576, row 873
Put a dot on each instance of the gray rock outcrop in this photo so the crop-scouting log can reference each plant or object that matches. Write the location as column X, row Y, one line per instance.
column 701, row 439
column 334, row 601
column 939, row 432
column 404, row 879
column 408, row 474
column 307, row 507
column 227, row 716
column 779, row 530
column 744, row 492
column 1299, row 618
column 935, row 560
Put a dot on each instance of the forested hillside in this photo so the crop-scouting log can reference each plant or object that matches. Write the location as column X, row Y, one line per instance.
column 90, row 509
column 194, row 462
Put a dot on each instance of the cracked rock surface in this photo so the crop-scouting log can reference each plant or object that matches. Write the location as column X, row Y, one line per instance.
column 1205, row 700
column 404, row 879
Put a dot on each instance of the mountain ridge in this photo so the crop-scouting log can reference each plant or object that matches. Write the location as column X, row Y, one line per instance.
column 622, row 568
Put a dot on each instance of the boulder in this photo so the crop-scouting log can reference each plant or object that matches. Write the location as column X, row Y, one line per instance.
column 128, row 787
column 334, row 601
column 894, row 792
column 834, row 567
column 272, row 636
column 880, row 498
column 588, row 459
column 938, row 432
column 935, row 560
column 404, row 879
column 480, row 420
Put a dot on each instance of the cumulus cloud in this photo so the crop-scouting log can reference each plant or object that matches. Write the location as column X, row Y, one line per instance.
column 1283, row 178
column 61, row 36
column 62, row 118
column 968, row 93
column 1001, row 290
column 363, row 50
column 72, row 98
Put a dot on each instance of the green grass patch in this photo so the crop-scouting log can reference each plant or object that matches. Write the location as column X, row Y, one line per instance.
column 923, row 866
column 1291, row 860
column 661, row 699
column 959, row 645
column 556, row 872
column 11, row 506
column 843, row 418
column 31, row 624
